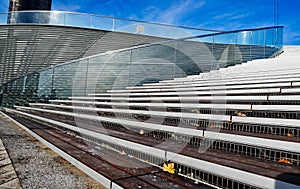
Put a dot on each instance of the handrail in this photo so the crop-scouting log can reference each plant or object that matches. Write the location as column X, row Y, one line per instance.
column 112, row 17
column 90, row 21
column 221, row 49
column 164, row 42
column 148, row 45
column 146, row 22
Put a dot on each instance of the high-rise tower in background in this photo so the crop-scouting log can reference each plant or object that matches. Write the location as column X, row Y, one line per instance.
column 22, row 5
column 28, row 5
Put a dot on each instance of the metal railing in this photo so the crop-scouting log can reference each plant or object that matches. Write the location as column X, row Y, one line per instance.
column 62, row 18
column 143, row 64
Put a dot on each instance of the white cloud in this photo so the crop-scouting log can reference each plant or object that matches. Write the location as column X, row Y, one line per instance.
column 176, row 11
column 223, row 16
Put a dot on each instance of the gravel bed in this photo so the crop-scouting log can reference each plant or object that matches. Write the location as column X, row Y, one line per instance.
column 36, row 165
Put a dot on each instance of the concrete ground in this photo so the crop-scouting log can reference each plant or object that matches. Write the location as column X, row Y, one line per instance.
column 30, row 164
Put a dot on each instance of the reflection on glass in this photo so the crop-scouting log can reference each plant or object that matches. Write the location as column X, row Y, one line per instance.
column 99, row 22
column 56, row 18
column 142, row 64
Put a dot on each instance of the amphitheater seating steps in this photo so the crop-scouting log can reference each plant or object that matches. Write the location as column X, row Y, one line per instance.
column 250, row 110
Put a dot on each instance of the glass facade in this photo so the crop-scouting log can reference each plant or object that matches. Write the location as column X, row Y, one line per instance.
column 143, row 64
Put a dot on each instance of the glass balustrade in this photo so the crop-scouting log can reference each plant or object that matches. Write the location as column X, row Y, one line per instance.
column 101, row 22
column 143, row 64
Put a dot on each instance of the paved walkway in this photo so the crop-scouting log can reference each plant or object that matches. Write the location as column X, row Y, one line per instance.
column 36, row 165
column 8, row 176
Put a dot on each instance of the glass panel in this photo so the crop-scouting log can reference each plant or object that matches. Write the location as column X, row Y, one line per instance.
column 115, row 72
column 155, row 29
column 258, row 37
column 187, row 60
column 208, row 39
column 197, row 32
column 271, row 42
column 164, row 31
column 102, row 23
column 125, row 26
column 225, row 50
column 243, row 38
column 230, row 38
column 95, row 68
column 79, row 79
column 44, row 91
column 7, row 94
column 44, row 17
column 258, row 44
column 56, row 18
column 26, row 17
column 17, row 92
column 243, row 43
column 78, row 20
column 196, row 57
column 279, row 37
column 31, row 87
column 12, row 18
column 144, row 64
column 63, row 80
column 270, row 37
column 152, row 64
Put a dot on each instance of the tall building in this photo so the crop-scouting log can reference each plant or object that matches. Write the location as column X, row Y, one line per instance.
column 27, row 5
column 22, row 5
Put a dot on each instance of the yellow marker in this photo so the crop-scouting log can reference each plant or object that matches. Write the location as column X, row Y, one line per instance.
column 289, row 135
column 283, row 160
column 169, row 168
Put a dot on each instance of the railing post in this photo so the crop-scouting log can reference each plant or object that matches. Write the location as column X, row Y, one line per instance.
column 265, row 43
column 86, row 76
column 64, row 19
column 236, row 38
column 250, row 45
column 276, row 42
column 175, row 58
column 91, row 21
column 52, row 82
column 113, row 24
column 24, row 84
column 212, row 50
column 130, row 66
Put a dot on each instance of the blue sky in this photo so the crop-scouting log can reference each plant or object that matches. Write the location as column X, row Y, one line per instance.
column 208, row 14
